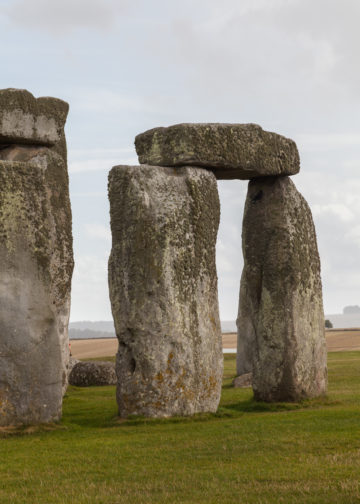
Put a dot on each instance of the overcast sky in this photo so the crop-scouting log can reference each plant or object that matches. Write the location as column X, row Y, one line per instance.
column 125, row 66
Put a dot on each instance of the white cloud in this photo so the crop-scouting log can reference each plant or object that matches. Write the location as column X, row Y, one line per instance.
column 90, row 295
column 223, row 261
column 101, row 164
column 98, row 231
column 106, row 100
column 353, row 235
column 100, row 159
column 320, row 141
column 81, row 153
column 63, row 16
column 88, row 194
column 337, row 210
column 90, row 268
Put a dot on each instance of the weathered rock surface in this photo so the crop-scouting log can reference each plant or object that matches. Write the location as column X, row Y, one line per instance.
column 163, row 290
column 72, row 362
column 92, row 373
column 36, row 264
column 281, row 321
column 243, row 381
column 30, row 120
column 231, row 151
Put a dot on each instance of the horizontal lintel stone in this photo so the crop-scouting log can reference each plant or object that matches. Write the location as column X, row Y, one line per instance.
column 25, row 119
column 231, row 151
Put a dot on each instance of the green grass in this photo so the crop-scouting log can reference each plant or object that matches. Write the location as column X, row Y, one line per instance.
column 246, row 453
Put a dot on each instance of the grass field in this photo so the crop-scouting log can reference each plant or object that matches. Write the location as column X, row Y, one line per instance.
column 247, row 453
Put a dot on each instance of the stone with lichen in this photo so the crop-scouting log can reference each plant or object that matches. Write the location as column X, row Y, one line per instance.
column 281, row 321
column 163, row 290
column 92, row 373
column 30, row 120
column 243, row 381
column 36, row 264
column 231, row 151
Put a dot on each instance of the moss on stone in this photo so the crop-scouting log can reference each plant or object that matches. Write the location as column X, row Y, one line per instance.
column 25, row 119
column 241, row 151
column 162, row 279
column 280, row 310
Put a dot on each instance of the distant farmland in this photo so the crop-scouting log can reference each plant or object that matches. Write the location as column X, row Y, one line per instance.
column 106, row 345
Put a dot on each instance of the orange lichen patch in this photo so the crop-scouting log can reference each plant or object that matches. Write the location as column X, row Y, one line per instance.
column 170, row 358
column 212, row 383
column 6, row 407
column 128, row 406
column 213, row 321
column 160, row 377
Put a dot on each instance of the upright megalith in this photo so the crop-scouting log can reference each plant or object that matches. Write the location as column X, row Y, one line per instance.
column 163, row 289
column 231, row 151
column 281, row 322
column 36, row 259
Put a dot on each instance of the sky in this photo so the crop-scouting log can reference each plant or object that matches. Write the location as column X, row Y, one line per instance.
column 125, row 66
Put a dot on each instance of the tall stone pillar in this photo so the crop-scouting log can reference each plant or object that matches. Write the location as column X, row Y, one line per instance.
column 163, row 290
column 36, row 259
column 281, row 320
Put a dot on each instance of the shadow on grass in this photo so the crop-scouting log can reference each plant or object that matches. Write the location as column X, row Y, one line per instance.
column 234, row 410
column 26, row 430
column 252, row 406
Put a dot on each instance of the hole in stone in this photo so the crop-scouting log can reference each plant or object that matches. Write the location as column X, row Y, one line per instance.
column 132, row 365
column 258, row 196
column 19, row 152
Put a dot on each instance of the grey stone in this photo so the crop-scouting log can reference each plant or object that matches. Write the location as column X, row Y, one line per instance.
column 231, row 151
column 25, row 119
column 163, row 290
column 281, row 335
column 36, row 264
column 243, row 381
column 72, row 362
column 92, row 373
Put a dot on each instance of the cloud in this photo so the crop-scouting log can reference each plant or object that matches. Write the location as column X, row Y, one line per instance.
column 90, row 294
column 224, row 264
column 278, row 59
column 88, row 194
column 336, row 210
column 101, row 164
column 353, row 235
column 63, row 16
column 100, row 100
column 311, row 142
column 98, row 231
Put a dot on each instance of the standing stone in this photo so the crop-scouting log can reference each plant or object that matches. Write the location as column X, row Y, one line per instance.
column 231, row 151
column 36, row 264
column 281, row 336
column 163, row 290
